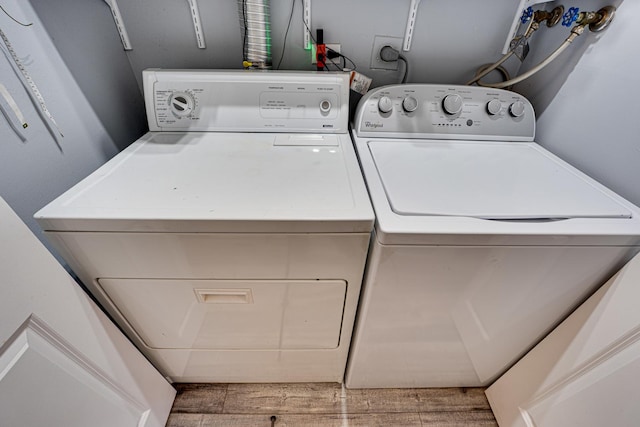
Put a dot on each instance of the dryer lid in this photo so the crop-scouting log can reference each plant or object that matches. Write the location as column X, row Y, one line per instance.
column 489, row 180
column 220, row 182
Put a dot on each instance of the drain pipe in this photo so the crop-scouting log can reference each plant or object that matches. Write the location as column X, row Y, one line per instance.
column 256, row 33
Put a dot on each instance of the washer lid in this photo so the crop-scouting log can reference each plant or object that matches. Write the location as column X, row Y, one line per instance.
column 490, row 180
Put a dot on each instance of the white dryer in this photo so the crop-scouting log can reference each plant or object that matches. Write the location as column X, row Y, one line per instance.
column 483, row 240
column 229, row 242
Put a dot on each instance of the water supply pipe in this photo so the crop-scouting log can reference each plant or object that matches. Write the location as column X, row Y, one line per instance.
column 595, row 21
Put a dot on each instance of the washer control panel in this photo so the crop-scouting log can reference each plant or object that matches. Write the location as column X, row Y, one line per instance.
column 246, row 101
column 445, row 112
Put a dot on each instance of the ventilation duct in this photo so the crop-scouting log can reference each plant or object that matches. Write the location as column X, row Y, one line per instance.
column 256, row 32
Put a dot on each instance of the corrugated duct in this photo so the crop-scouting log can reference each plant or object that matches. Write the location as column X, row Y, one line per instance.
column 256, row 32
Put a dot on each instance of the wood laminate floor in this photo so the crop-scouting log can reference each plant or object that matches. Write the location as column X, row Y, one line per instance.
column 326, row 405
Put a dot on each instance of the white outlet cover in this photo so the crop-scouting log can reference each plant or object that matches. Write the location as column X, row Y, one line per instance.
column 378, row 43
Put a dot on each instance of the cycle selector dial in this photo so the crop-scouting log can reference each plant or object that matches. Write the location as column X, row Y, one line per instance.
column 494, row 106
column 385, row 104
column 517, row 109
column 452, row 104
column 181, row 103
column 409, row 104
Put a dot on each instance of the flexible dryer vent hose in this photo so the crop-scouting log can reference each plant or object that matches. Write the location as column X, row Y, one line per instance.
column 256, row 32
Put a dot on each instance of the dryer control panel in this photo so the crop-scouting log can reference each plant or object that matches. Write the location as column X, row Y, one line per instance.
column 445, row 112
column 246, row 101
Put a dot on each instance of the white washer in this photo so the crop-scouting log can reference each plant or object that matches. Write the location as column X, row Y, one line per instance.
column 230, row 241
column 483, row 240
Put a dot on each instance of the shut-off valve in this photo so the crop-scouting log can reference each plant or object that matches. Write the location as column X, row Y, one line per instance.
column 552, row 18
column 597, row 21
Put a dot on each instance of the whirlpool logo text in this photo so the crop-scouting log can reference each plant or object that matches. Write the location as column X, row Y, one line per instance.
column 373, row 125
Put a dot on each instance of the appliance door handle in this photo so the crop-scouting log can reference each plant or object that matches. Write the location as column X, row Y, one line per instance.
column 224, row 296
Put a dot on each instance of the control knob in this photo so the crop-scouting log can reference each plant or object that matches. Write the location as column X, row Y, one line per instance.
column 517, row 109
column 452, row 104
column 385, row 104
column 494, row 106
column 181, row 103
column 325, row 106
column 409, row 104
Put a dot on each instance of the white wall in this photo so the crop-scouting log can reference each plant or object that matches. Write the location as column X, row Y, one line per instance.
column 586, row 100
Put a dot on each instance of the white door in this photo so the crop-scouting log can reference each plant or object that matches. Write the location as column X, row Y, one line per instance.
column 586, row 372
column 62, row 362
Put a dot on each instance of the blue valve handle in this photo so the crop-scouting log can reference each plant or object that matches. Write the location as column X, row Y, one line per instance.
column 526, row 15
column 570, row 17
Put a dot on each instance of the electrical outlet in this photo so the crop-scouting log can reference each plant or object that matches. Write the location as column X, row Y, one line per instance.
column 378, row 43
column 333, row 46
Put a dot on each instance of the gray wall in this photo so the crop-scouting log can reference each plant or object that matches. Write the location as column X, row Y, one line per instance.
column 452, row 37
column 83, row 33
column 36, row 171
column 586, row 100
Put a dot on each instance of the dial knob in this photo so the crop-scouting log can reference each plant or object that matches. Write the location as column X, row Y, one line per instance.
column 494, row 106
column 452, row 104
column 325, row 106
column 516, row 109
column 409, row 104
column 385, row 104
column 181, row 104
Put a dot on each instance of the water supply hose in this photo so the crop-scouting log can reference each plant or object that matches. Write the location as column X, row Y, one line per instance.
column 596, row 21
column 575, row 32
column 532, row 28
column 484, row 71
